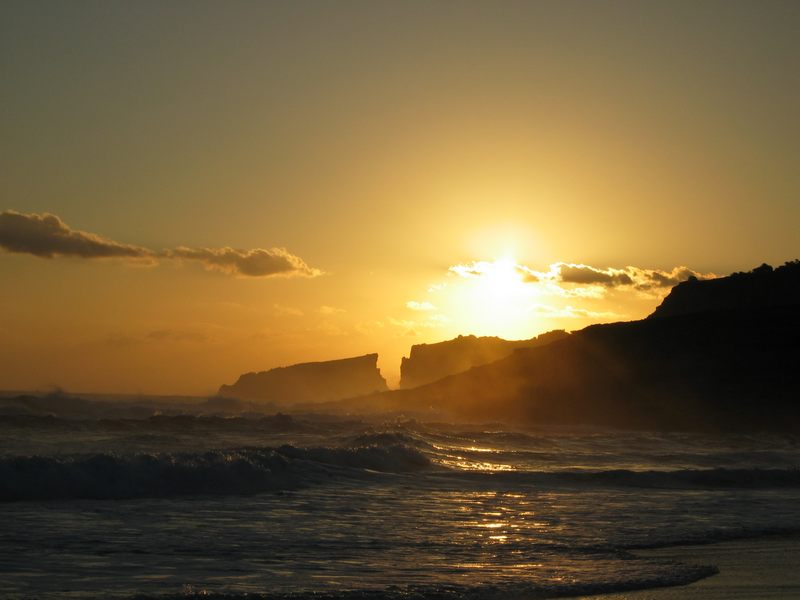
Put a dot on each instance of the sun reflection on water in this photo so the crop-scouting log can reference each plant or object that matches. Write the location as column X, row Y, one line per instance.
column 453, row 457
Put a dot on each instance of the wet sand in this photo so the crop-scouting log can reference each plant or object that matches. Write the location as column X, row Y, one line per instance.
column 759, row 569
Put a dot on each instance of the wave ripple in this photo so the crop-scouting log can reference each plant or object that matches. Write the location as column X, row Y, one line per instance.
column 243, row 471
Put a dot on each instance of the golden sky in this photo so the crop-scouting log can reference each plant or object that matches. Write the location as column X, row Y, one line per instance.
column 195, row 190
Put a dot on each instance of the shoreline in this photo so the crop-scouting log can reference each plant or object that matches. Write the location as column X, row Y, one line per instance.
column 763, row 568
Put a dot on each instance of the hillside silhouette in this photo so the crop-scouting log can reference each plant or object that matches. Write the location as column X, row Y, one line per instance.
column 760, row 288
column 716, row 355
column 430, row 362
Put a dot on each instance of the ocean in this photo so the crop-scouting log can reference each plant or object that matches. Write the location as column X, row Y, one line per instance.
column 314, row 506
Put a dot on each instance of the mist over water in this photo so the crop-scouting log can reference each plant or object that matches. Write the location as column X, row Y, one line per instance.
column 290, row 505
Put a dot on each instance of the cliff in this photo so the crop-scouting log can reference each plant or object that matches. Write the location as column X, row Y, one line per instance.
column 310, row 382
column 761, row 287
column 721, row 365
column 429, row 362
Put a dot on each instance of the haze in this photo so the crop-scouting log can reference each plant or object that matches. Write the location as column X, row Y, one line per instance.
column 241, row 186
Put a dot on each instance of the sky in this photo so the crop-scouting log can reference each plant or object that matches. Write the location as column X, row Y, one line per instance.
column 193, row 190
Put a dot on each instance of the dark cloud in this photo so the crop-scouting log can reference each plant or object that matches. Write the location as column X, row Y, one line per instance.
column 657, row 279
column 258, row 262
column 635, row 277
column 586, row 275
column 47, row 236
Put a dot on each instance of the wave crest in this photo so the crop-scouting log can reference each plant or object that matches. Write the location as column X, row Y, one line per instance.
column 244, row 471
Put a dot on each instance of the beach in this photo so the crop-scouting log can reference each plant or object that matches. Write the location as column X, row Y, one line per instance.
column 754, row 569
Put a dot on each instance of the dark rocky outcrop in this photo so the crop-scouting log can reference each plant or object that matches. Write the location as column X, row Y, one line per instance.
column 310, row 382
column 429, row 362
column 762, row 287
column 721, row 363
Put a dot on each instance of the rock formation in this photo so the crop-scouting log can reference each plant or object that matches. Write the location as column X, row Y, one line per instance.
column 429, row 362
column 310, row 382
column 724, row 358
column 761, row 287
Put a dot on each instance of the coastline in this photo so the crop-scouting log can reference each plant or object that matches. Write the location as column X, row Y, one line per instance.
column 766, row 568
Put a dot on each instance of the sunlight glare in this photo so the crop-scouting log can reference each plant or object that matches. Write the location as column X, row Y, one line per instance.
column 495, row 302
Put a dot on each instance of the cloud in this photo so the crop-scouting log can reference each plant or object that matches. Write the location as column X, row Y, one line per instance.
column 478, row 268
column 504, row 295
column 634, row 277
column 420, row 306
column 581, row 280
column 329, row 310
column 47, row 236
column 650, row 278
column 587, row 275
column 259, row 262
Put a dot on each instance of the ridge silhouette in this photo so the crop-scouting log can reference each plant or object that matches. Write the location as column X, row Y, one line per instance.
column 429, row 362
column 717, row 355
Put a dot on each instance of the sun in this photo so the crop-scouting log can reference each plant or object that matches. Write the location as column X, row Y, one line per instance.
column 494, row 300
column 502, row 280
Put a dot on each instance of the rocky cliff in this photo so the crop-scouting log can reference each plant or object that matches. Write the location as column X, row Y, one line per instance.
column 723, row 363
column 761, row 287
column 429, row 362
column 310, row 382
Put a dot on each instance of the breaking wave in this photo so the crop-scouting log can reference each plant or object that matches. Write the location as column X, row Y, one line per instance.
column 668, row 575
column 243, row 471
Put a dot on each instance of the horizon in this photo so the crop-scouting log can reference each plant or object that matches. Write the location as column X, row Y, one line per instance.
column 273, row 184
column 393, row 383
column 224, row 226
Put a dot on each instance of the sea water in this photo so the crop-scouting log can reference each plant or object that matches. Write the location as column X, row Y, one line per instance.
column 324, row 507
